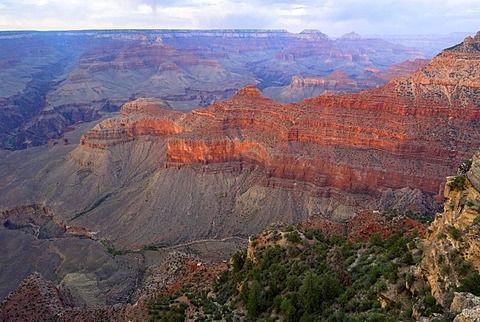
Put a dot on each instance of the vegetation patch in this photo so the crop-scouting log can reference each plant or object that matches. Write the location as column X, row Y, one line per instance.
column 323, row 279
column 458, row 183
column 166, row 309
column 112, row 250
column 476, row 221
column 465, row 166
column 471, row 284
column 93, row 206
column 454, row 232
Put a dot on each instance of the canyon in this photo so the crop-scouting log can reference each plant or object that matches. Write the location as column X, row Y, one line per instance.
column 52, row 80
column 396, row 266
column 419, row 127
column 125, row 188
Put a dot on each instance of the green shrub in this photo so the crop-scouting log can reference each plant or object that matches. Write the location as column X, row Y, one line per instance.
column 409, row 279
column 293, row 237
column 238, row 260
column 445, row 269
column 289, row 228
column 408, row 258
column 465, row 166
column 376, row 240
column 429, row 300
column 458, row 183
column 441, row 236
column 476, row 221
column 471, row 284
column 408, row 312
column 454, row 232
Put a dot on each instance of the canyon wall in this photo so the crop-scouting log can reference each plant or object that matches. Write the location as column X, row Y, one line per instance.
column 153, row 176
column 52, row 80
column 250, row 162
column 411, row 132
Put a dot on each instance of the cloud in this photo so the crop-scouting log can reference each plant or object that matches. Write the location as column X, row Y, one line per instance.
column 334, row 17
column 144, row 9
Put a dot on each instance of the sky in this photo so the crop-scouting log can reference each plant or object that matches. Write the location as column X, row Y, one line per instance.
column 334, row 17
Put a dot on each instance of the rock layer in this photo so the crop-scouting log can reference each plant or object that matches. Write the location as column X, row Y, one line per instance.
column 52, row 80
column 410, row 133
column 340, row 82
column 156, row 176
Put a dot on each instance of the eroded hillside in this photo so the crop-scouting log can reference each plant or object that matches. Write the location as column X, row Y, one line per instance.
column 52, row 80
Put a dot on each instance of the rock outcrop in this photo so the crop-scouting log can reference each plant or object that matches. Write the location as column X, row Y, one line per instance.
column 152, row 177
column 453, row 246
column 37, row 299
column 340, row 82
column 462, row 301
column 365, row 224
column 468, row 306
column 248, row 162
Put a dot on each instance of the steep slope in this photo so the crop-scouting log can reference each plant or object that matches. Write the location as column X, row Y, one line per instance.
column 291, row 274
column 304, row 274
column 36, row 299
column 422, row 126
column 153, row 177
column 32, row 241
column 245, row 163
column 452, row 249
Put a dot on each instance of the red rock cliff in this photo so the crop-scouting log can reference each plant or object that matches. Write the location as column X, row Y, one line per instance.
column 412, row 132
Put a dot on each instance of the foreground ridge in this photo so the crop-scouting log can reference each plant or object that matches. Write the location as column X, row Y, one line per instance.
column 295, row 273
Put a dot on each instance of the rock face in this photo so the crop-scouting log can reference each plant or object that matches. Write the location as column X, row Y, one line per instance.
column 474, row 173
column 411, row 132
column 248, row 162
column 453, row 239
column 340, row 82
column 469, row 315
column 156, row 176
column 468, row 305
column 462, row 301
column 37, row 299
column 51, row 80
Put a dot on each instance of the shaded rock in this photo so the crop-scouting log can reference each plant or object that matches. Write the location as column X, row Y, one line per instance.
column 468, row 315
column 474, row 173
column 463, row 300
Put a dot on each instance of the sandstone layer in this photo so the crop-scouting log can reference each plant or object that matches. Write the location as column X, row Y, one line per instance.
column 411, row 132
column 249, row 162
column 52, row 80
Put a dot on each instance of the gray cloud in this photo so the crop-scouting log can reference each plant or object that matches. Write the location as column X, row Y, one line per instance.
column 333, row 17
